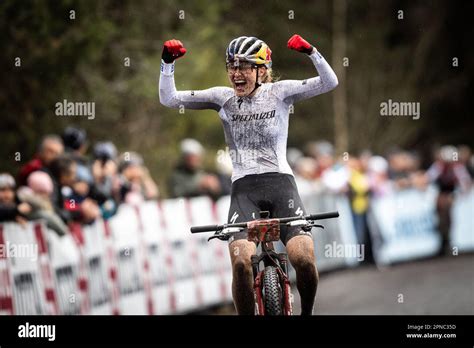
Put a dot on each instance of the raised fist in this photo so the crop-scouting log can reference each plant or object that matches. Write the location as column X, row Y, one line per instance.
column 172, row 49
column 299, row 44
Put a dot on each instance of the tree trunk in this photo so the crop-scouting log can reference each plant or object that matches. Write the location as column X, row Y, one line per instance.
column 341, row 132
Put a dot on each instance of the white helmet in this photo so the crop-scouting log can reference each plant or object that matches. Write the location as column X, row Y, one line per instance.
column 249, row 49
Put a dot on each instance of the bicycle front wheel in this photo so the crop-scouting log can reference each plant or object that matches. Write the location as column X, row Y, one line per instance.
column 273, row 294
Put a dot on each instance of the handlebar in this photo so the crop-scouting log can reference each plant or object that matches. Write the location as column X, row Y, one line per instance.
column 207, row 228
column 311, row 217
column 321, row 216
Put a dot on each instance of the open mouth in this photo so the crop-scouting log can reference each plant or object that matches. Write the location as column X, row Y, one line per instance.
column 240, row 85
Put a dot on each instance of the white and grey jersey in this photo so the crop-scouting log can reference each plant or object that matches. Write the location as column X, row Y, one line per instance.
column 256, row 128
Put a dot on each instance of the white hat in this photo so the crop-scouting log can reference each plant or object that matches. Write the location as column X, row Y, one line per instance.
column 448, row 152
column 191, row 147
column 378, row 164
column 7, row 181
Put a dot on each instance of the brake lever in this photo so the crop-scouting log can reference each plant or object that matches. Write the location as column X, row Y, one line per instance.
column 219, row 235
column 212, row 237
column 316, row 225
column 309, row 227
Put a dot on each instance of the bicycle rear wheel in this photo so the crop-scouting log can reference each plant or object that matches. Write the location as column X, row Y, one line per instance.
column 273, row 299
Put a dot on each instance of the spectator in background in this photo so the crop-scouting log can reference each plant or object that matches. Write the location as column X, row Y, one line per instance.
column 38, row 195
column 359, row 189
column 449, row 174
column 188, row 178
column 75, row 143
column 104, row 171
column 51, row 147
column 305, row 169
column 380, row 185
column 135, row 182
column 401, row 165
column 224, row 173
column 364, row 159
column 332, row 174
column 293, row 155
column 335, row 176
column 11, row 209
column 418, row 178
column 323, row 152
column 104, row 167
column 81, row 187
column 63, row 170
column 467, row 159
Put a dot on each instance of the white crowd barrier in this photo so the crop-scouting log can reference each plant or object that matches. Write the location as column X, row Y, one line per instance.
column 403, row 226
column 462, row 222
column 144, row 260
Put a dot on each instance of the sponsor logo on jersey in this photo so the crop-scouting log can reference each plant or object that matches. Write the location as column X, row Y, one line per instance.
column 252, row 117
column 234, row 217
column 299, row 211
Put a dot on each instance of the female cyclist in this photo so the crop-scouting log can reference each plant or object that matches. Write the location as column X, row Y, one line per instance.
column 255, row 115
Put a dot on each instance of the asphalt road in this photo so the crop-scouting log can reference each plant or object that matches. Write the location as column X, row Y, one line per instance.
column 435, row 286
column 443, row 285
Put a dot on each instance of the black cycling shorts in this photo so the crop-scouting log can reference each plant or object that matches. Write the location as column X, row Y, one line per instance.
column 275, row 192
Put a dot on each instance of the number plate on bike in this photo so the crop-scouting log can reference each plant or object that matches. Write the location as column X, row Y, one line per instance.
column 263, row 230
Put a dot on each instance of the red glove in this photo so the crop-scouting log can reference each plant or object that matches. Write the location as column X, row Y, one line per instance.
column 172, row 49
column 299, row 44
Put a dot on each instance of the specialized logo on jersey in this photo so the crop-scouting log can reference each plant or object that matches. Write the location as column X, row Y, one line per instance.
column 253, row 117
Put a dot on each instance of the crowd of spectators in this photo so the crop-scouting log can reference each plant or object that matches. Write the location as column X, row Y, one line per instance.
column 361, row 177
column 367, row 176
column 61, row 184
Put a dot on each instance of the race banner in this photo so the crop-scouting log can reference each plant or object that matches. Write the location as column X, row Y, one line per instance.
column 462, row 221
column 403, row 225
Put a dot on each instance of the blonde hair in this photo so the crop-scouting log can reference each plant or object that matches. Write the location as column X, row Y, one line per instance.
column 268, row 76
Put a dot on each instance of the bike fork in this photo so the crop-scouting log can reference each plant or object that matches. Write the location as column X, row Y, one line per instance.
column 285, row 284
column 257, row 286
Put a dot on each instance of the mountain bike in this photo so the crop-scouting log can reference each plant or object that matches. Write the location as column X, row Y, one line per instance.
column 272, row 288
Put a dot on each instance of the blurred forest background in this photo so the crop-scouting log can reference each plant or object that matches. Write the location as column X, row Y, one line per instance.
column 82, row 59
